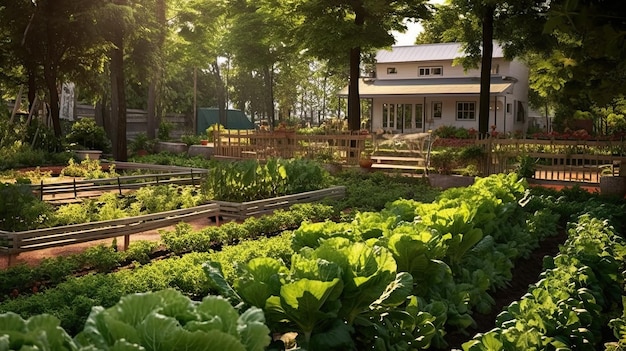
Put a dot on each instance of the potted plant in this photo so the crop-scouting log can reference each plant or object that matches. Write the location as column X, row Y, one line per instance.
column 87, row 139
column 140, row 145
column 365, row 161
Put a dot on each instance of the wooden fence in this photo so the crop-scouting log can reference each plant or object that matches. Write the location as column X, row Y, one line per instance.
column 560, row 160
column 13, row 243
column 344, row 148
column 75, row 189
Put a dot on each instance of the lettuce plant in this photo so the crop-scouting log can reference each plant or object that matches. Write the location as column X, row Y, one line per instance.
column 168, row 320
column 41, row 333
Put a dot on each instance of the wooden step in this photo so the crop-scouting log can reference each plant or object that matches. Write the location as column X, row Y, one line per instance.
column 379, row 158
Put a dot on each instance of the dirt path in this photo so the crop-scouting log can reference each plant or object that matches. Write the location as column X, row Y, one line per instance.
column 33, row 258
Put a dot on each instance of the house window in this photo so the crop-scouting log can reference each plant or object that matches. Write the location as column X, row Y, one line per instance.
column 405, row 116
column 466, row 110
column 391, row 70
column 419, row 116
column 495, row 69
column 508, row 108
column 389, row 115
column 437, row 108
column 430, row 71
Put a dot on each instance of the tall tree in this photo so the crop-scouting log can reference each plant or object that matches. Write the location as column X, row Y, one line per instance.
column 54, row 39
column 154, row 88
column 115, row 22
column 341, row 30
column 260, row 42
column 477, row 23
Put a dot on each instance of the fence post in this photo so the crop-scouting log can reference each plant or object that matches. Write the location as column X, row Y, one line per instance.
column 193, row 183
column 41, row 190
column 119, row 185
column 75, row 192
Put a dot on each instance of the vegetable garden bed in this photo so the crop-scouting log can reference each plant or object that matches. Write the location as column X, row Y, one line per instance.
column 12, row 243
column 243, row 210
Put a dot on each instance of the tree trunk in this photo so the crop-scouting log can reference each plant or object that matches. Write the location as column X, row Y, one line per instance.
column 118, row 97
column 50, row 75
column 154, row 87
column 221, row 96
column 354, row 105
column 269, row 98
column 485, row 70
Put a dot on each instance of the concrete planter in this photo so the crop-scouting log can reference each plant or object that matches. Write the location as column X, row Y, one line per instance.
column 449, row 181
column 613, row 186
column 172, row 147
column 92, row 154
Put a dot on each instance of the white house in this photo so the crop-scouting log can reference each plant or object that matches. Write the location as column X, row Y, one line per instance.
column 417, row 88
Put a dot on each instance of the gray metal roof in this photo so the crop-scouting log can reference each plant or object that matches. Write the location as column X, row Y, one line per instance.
column 427, row 52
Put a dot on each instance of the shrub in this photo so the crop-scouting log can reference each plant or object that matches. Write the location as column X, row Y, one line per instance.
column 20, row 209
column 85, row 133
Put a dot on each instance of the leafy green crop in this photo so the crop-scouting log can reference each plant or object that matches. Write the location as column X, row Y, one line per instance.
column 41, row 332
column 167, row 320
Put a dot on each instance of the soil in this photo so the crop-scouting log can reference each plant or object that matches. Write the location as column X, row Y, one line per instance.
column 525, row 273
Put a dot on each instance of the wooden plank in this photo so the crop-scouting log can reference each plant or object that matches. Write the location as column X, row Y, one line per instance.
column 396, row 166
column 52, row 237
column 380, row 158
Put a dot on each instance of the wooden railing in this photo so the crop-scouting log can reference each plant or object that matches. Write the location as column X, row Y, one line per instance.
column 345, row 148
column 563, row 160
column 92, row 187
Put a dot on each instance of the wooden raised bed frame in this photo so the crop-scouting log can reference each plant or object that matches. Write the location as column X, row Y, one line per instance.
column 13, row 243
column 243, row 210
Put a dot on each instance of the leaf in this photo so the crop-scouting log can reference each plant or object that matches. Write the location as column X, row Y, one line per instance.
column 259, row 279
column 217, row 308
column 397, row 291
column 255, row 335
column 303, row 301
column 213, row 271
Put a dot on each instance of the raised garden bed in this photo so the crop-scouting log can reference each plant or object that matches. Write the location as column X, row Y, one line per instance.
column 243, row 210
column 13, row 243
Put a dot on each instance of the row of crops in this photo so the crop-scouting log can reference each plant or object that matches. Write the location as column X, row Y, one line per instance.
column 227, row 181
column 396, row 279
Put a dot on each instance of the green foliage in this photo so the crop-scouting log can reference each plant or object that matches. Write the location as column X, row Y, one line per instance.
column 89, row 169
column 183, row 239
column 526, row 166
column 372, row 191
column 146, row 200
column 140, row 251
column 85, row 133
column 450, row 131
column 250, row 180
column 141, row 142
column 567, row 308
column 69, row 301
column 41, row 332
column 165, row 129
column 102, row 258
column 20, row 209
column 167, row 320
column 191, row 139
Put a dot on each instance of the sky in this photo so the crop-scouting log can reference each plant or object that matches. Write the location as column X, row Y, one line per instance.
column 413, row 29
column 408, row 37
